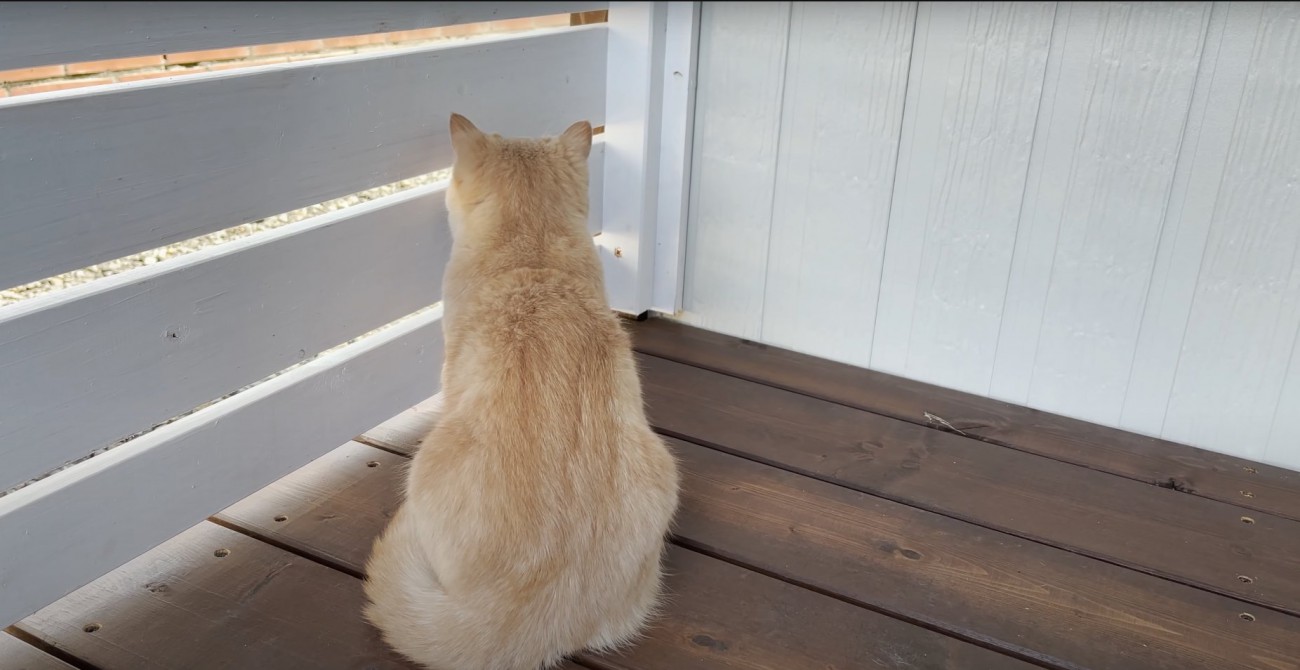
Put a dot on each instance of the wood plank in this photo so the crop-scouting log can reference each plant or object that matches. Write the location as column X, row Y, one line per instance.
column 1207, row 141
column 183, row 606
column 129, row 167
column 1117, row 94
column 403, row 433
column 740, row 79
column 835, row 175
column 61, row 532
column 1167, row 464
column 1059, row 609
column 111, row 352
column 1233, row 374
column 18, row 655
column 1192, row 540
column 717, row 615
column 677, row 129
column 972, row 106
column 74, row 32
column 634, row 94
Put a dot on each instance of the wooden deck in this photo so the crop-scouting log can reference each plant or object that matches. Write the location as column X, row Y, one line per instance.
column 832, row 518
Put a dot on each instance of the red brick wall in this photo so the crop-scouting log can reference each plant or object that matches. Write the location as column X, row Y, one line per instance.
column 95, row 73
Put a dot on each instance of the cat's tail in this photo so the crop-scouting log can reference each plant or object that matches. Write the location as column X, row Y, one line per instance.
column 422, row 622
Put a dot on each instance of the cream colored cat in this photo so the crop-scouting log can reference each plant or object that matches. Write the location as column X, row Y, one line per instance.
column 535, row 512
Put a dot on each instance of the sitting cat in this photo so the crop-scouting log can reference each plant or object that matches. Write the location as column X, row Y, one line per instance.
column 536, row 511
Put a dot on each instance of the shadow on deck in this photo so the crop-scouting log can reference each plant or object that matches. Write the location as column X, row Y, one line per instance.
column 831, row 518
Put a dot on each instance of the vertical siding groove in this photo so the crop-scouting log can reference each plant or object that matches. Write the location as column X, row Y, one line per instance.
column 1087, row 208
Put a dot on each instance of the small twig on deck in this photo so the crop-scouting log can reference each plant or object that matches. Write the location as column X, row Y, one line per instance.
column 940, row 420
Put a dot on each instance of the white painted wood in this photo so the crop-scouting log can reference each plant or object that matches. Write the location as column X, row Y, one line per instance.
column 1245, row 314
column 49, row 33
column 1283, row 448
column 64, row 531
column 973, row 100
column 97, row 363
column 841, row 118
column 596, row 185
column 1112, row 130
column 973, row 97
column 634, row 87
column 733, row 167
column 1120, row 246
column 1206, row 143
column 94, row 176
column 677, row 126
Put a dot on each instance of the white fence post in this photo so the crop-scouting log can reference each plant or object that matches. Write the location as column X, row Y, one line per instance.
column 646, row 154
column 677, row 125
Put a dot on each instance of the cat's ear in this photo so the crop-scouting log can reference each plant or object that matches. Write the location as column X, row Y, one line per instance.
column 577, row 139
column 466, row 138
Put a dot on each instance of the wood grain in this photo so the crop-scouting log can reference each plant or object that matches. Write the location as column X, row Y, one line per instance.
column 61, row 532
column 18, row 655
column 182, row 606
column 129, row 167
column 1193, row 540
column 1235, row 383
column 740, row 77
column 717, row 615
column 1118, row 89
column 131, row 351
column 834, row 174
column 1150, row 460
column 1056, row 608
column 1042, row 603
column 973, row 97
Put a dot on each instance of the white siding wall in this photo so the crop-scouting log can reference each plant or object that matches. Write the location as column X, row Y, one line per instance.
column 1088, row 208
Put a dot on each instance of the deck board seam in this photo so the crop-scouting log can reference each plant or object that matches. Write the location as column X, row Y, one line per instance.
column 994, row 646
column 1141, row 569
column 284, row 546
column 1159, row 483
column 49, row 649
column 699, row 549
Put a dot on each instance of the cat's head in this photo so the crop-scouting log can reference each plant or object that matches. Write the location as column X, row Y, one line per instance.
column 530, row 176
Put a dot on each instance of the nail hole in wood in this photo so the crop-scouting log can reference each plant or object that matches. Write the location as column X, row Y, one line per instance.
column 1247, row 520
column 90, row 627
column 281, row 517
column 221, row 553
column 1247, row 494
column 1250, row 470
column 1244, row 579
column 1247, row 616
column 372, row 464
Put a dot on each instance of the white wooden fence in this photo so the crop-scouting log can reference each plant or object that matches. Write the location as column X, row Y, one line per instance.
column 95, row 174
column 1087, row 208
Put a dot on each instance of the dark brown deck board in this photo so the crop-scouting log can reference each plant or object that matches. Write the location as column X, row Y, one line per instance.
column 719, row 615
column 1189, row 539
column 1060, row 608
column 1054, row 606
column 1154, row 461
column 18, row 655
column 181, row 607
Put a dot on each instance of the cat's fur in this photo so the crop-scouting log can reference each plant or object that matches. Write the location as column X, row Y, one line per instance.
column 535, row 512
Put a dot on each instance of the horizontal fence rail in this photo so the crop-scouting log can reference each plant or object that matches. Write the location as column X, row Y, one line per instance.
column 96, row 363
column 94, row 175
column 49, row 33
column 133, row 166
column 60, row 533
